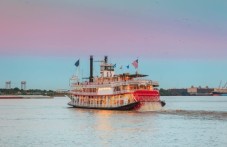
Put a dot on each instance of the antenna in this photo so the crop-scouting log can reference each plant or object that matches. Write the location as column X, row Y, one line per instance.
column 224, row 85
column 220, row 84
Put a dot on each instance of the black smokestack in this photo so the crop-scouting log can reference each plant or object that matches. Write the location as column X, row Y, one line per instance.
column 105, row 59
column 91, row 69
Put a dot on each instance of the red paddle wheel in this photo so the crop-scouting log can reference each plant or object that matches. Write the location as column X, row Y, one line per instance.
column 145, row 96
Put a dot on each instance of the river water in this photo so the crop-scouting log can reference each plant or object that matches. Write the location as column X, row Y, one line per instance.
column 184, row 121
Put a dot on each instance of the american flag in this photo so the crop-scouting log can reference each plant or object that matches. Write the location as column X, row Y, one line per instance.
column 135, row 63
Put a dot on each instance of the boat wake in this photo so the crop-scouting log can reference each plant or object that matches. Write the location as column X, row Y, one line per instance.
column 196, row 114
column 202, row 114
column 150, row 106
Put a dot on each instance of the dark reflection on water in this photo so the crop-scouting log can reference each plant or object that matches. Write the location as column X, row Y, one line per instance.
column 185, row 121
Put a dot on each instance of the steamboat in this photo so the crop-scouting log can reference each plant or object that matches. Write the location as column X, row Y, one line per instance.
column 112, row 91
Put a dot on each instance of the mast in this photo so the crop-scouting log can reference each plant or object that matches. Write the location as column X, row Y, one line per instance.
column 106, row 59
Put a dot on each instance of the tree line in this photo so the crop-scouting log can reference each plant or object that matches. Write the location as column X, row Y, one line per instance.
column 173, row 92
column 17, row 91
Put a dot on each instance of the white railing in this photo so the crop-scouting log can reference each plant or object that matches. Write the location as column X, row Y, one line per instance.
column 96, row 93
column 123, row 91
column 115, row 83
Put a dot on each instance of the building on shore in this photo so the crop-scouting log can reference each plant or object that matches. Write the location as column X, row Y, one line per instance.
column 200, row 91
column 23, row 85
column 8, row 85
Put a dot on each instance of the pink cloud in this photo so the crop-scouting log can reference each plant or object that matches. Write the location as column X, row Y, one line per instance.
column 54, row 31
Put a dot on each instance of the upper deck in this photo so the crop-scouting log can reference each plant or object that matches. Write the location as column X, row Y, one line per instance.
column 116, row 83
column 108, row 79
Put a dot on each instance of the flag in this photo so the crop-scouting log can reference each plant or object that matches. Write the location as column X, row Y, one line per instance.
column 121, row 67
column 135, row 63
column 127, row 67
column 114, row 65
column 77, row 63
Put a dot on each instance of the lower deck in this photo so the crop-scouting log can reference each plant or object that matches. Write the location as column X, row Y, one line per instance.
column 102, row 101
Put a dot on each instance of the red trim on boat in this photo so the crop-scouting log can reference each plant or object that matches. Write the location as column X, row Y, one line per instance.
column 147, row 95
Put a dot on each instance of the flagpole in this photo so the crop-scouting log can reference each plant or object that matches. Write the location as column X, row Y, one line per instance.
column 79, row 76
column 137, row 70
column 76, row 73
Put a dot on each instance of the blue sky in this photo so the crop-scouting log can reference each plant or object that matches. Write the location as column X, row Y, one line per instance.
column 54, row 72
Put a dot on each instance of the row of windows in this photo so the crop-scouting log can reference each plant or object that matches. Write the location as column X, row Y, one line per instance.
column 118, row 88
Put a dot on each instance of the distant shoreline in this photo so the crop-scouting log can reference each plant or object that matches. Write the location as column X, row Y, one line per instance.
column 25, row 97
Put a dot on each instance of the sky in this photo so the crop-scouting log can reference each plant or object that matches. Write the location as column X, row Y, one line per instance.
column 179, row 43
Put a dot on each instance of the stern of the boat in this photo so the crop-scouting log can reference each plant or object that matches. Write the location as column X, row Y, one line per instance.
column 149, row 100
